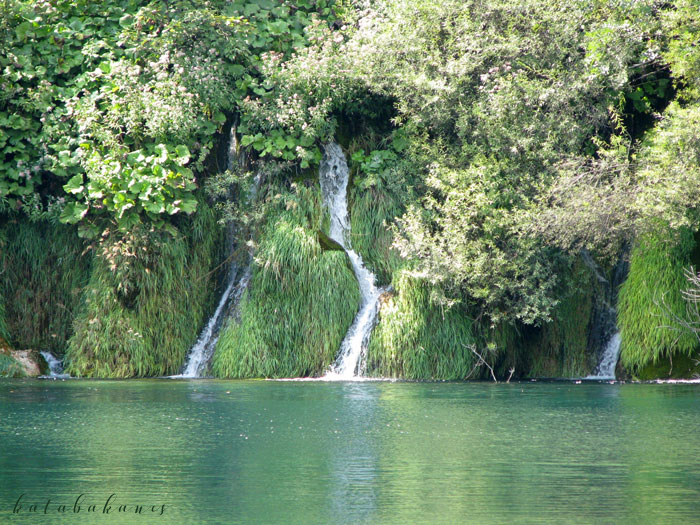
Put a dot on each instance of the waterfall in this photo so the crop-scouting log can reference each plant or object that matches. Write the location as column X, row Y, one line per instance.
column 605, row 336
column 608, row 362
column 334, row 175
column 203, row 350
column 55, row 366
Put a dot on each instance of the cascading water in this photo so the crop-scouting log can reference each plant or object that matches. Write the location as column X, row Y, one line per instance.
column 203, row 350
column 608, row 362
column 334, row 175
column 55, row 366
column 605, row 336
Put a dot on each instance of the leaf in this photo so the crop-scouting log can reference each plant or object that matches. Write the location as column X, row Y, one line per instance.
column 183, row 154
column 219, row 117
column 74, row 212
column 126, row 21
column 74, row 185
column 188, row 205
column 162, row 152
column 88, row 231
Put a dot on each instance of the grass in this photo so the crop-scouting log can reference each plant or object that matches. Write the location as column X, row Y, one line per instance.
column 371, row 212
column 148, row 296
column 416, row 339
column 650, row 295
column 301, row 299
column 9, row 367
column 560, row 347
column 42, row 276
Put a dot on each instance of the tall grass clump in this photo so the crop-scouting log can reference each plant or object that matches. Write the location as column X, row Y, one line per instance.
column 417, row 339
column 651, row 298
column 43, row 272
column 148, row 296
column 372, row 211
column 300, row 302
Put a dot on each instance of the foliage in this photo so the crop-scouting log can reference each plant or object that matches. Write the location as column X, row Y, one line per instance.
column 489, row 99
column 148, row 296
column 559, row 348
column 9, row 367
column 102, row 106
column 467, row 241
column 681, row 25
column 43, row 272
column 380, row 189
column 650, row 300
column 300, row 302
column 418, row 339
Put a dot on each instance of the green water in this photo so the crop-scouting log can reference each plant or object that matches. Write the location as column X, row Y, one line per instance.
column 373, row 452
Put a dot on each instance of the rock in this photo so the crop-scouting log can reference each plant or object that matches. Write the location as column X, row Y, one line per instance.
column 385, row 297
column 30, row 360
column 327, row 243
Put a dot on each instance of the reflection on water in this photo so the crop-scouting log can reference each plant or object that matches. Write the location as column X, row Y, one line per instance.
column 356, row 452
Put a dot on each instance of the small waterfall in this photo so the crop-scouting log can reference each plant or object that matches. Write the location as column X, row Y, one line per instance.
column 203, row 350
column 55, row 366
column 605, row 336
column 334, row 175
column 608, row 362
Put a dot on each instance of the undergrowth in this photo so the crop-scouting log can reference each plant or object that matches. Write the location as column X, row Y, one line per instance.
column 301, row 299
column 148, row 296
column 416, row 339
column 559, row 348
column 42, row 275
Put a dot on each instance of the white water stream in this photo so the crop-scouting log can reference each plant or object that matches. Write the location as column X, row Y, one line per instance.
column 334, row 175
column 55, row 366
column 203, row 350
column 608, row 362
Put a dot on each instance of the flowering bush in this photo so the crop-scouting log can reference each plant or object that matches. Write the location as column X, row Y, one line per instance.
column 102, row 100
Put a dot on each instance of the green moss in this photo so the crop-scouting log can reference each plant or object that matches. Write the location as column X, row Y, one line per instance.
column 9, row 367
column 43, row 271
column 148, row 296
column 652, row 291
column 300, row 302
column 416, row 339
column 559, row 348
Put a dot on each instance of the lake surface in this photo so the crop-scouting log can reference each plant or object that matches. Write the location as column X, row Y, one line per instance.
column 364, row 452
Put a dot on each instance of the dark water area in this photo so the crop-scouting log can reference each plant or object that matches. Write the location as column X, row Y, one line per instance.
column 207, row 451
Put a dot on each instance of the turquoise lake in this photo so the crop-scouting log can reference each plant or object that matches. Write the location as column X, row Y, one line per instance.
column 207, row 451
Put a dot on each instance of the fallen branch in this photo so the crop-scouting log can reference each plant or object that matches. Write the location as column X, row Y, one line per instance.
column 482, row 361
